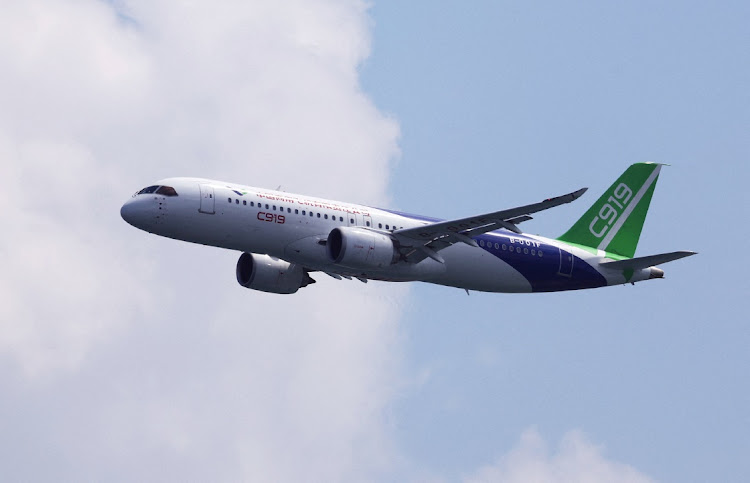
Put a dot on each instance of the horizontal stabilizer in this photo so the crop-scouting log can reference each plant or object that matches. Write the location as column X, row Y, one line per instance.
column 645, row 262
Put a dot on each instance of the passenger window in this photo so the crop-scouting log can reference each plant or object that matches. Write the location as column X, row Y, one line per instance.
column 252, row 203
column 380, row 225
column 289, row 210
column 237, row 202
column 229, row 200
column 368, row 223
column 318, row 215
column 281, row 208
column 387, row 227
column 244, row 202
column 303, row 213
column 266, row 206
column 274, row 207
column 311, row 213
column 296, row 212
column 326, row 217
column 351, row 221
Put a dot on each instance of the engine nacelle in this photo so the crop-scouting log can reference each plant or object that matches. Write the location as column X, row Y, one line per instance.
column 359, row 248
column 267, row 274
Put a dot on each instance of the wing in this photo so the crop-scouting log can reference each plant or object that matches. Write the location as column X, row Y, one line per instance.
column 421, row 242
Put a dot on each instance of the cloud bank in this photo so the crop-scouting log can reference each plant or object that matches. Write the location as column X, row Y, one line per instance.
column 124, row 356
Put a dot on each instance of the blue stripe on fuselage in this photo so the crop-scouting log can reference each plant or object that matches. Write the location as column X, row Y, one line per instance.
column 543, row 273
column 550, row 272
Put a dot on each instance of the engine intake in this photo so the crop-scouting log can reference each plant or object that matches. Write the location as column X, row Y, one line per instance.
column 359, row 248
column 268, row 274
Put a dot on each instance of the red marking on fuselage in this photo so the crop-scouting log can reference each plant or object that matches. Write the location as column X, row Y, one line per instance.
column 271, row 217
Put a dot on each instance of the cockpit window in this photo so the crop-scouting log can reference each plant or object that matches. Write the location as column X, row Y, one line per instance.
column 148, row 190
column 159, row 190
column 166, row 191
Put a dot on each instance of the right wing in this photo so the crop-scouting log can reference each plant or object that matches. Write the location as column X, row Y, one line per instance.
column 421, row 242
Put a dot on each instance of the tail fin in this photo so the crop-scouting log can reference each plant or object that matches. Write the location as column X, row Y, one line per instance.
column 615, row 221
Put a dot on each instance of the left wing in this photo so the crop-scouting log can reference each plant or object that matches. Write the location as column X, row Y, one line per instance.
column 421, row 242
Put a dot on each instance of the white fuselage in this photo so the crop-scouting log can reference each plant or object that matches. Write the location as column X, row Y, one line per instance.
column 295, row 228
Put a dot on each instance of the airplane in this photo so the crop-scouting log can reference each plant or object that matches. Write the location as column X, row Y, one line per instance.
column 284, row 237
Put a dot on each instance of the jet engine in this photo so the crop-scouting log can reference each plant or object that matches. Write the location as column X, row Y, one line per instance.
column 268, row 274
column 360, row 248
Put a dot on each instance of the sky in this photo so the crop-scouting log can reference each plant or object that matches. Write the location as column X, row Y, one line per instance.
column 126, row 356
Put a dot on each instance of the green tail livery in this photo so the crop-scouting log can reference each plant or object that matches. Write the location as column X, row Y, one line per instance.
column 614, row 223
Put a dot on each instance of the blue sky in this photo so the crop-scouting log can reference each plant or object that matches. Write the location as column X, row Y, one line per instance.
column 503, row 103
column 129, row 357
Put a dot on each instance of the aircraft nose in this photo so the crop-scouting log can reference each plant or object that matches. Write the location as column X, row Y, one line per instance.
column 134, row 213
column 128, row 212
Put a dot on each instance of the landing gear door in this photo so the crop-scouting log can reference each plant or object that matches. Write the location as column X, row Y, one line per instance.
column 208, row 200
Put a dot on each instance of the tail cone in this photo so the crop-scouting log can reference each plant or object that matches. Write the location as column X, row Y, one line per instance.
column 656, row 273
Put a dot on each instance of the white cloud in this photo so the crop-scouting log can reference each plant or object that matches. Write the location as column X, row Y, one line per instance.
column 576, row 460
column 124, row 356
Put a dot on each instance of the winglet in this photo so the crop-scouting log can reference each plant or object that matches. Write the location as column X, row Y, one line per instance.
column 576, row 194
column 568, row 198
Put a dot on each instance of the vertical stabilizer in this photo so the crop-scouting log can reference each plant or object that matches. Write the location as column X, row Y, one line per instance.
column 615, row 221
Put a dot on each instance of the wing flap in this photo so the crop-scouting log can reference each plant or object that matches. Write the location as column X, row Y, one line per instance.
column 519, row 219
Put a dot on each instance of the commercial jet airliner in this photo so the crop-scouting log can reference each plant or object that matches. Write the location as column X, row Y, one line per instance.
column 284, row 237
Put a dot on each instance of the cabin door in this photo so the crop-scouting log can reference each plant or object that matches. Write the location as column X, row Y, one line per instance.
column 208, row 200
